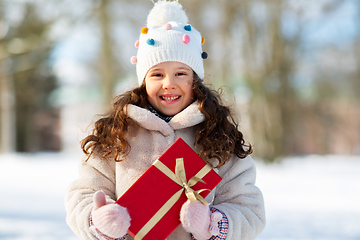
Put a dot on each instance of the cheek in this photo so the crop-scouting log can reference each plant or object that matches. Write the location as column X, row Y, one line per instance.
column 189, row 89
column 151, row 92
column 149, row 87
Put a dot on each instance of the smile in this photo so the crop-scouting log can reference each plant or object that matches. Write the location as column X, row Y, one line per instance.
column 169, row 99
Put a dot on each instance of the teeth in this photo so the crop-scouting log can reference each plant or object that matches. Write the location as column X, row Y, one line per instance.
column 170, row 98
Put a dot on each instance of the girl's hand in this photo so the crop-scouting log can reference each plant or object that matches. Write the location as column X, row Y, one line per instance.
column 197, row 219
column 111, row 220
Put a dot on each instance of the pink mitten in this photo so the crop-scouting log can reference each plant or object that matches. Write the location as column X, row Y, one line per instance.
column 110, row 219
column 197, row 219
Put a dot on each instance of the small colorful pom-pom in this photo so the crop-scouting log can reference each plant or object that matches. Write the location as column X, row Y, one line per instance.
column 150, row 41
column 204, row 55
column 133, row 59
column 187, row 27
column 202, row 40
column 186, row 38
column 137, row 43
column 144, row 30
column 167, row 26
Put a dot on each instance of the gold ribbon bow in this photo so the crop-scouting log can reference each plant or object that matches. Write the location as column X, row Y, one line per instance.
column 192, row 195
column 180, row 178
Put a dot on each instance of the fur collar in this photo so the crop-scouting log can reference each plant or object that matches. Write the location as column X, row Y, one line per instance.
column 188, row 117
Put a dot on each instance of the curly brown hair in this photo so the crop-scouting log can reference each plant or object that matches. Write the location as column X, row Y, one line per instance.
column 218, row 137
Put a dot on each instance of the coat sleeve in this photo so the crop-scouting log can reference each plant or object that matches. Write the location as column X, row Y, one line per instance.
column 240, row 200
column 95, row 174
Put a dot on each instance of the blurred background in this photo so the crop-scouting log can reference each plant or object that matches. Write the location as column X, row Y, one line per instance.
column 290, row 69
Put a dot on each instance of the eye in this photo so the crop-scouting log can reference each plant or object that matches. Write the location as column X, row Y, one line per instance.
column 156, row 75
column 180, row 74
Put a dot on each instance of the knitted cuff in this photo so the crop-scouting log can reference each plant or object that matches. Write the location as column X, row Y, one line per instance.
column 96, row 233
column 223, row 226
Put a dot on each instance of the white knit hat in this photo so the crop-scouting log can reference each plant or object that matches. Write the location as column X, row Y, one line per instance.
column 168, row 37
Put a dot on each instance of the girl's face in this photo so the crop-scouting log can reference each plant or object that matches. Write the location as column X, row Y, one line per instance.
column 169, row 87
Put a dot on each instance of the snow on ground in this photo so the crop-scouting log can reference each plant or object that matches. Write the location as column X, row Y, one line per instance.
column 312, row 198
column 32, row 189
column 306, row 198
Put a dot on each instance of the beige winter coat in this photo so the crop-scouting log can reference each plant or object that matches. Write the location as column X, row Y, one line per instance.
column 236, row 195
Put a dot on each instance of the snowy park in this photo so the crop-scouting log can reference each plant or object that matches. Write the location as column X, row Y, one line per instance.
column 309, row 197
column 290, row 69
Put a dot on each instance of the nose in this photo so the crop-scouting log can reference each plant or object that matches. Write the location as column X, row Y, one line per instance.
column 169, row 83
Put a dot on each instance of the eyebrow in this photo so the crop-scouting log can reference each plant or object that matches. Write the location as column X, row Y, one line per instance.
column 184, row 68
column 153, row 69
column 161, row 69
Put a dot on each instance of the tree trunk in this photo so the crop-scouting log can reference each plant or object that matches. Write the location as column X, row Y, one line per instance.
column 107, row 59
column 6, row 111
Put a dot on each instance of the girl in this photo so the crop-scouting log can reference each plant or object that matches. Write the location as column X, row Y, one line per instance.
column 171, row 102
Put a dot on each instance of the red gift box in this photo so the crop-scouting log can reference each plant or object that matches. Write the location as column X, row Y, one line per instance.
column 155, row 199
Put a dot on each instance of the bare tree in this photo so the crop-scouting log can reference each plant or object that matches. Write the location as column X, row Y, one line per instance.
column 7, row 130
column 107, row 60
column 29, row 82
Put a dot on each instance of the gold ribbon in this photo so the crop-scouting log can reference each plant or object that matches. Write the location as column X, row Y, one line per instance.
column 192, row 195
column 180, row 178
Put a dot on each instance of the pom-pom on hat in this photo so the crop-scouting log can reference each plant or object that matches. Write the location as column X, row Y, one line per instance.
column 168, row 37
